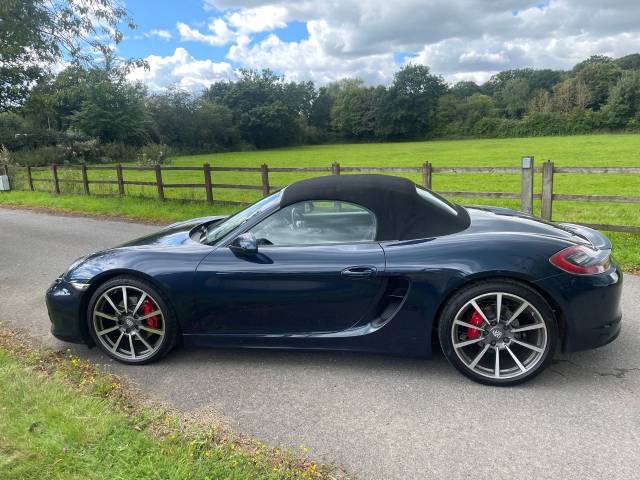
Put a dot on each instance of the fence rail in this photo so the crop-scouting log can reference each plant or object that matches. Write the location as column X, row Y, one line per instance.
column 527, row 171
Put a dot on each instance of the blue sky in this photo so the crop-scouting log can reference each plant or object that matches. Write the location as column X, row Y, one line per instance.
column 192, row 43
column 164, row 14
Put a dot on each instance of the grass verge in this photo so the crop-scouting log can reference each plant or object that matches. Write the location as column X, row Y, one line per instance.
column 626, row 245
column 62, row 417
column 131, row 208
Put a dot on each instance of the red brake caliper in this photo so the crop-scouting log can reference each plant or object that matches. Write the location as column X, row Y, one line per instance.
column 476, row 319
column 147, row 308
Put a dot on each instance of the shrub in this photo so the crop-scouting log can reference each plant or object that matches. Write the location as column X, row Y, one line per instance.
column 154, row 154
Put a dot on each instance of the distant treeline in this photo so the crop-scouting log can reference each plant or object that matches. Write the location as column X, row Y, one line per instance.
column 95, row 114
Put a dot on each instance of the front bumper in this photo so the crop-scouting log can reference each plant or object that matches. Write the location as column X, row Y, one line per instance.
column 64, row 305
column 589, row 305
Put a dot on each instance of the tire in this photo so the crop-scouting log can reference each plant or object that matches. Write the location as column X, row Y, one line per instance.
column 144, row 332
column 524, row 338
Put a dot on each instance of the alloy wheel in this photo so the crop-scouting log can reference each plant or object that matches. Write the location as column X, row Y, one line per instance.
column 499, row 335
column 128, row 322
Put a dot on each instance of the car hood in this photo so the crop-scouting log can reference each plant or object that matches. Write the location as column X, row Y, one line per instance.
column 174, row 234
column 145, row 250
column 496, row 220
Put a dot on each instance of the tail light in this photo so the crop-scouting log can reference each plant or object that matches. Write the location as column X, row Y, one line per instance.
column 581, row 260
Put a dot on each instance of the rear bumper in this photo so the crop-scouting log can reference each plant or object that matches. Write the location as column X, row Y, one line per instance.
column 63, row 305
column 589, row 306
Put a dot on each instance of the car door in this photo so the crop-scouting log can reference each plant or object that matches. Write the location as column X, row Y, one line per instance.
column 318, row 268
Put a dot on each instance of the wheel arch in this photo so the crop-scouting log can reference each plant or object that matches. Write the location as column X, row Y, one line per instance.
column 506, row 277
column 104, row 277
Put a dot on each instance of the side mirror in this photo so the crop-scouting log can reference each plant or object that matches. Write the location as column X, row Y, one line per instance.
column 244, row 244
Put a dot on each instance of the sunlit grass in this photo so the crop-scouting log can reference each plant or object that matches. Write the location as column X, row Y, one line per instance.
column 61, row 418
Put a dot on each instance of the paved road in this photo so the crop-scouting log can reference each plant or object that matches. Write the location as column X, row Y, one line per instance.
column 382, row 417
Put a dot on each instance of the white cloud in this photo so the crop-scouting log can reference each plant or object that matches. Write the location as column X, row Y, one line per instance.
column 162, row 34
column 460, row 39
column 236, row 25
column 260, row 19
column 182, row 70
column 307, row 59
column 220, row 33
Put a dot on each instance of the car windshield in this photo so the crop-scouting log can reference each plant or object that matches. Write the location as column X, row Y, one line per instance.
column 219, row 231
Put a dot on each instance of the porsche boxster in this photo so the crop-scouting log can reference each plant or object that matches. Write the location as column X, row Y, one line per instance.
column 366, row 263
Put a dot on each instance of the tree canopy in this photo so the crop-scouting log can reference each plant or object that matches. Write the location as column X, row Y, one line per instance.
column 89, row 110
column 36, row 33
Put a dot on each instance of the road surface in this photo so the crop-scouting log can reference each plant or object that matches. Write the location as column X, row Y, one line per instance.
column 381, row 417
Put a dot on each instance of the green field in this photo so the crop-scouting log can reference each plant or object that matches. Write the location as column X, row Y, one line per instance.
column 587, row 150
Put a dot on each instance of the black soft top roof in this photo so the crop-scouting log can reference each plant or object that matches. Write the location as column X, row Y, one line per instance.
column 401, row 213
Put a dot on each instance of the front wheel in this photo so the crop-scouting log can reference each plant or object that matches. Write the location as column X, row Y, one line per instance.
column 131, row 322
column 498, row 332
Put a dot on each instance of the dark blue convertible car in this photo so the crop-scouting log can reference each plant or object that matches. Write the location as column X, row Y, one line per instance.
column 354, row 262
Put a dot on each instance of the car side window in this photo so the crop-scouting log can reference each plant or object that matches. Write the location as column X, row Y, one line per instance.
column 317, row 222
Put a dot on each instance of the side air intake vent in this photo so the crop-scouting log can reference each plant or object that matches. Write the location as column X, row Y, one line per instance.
column 391, row 301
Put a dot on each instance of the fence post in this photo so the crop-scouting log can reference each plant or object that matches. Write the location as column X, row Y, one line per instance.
column 120, row 179
column 159, row 182
column 54, row 178
column 335, row 168
column 85, row 179
column 206, row 168
column 547, row 190
column 526, row 189
column 30, row 178
column 264, row 171
column 426, row 175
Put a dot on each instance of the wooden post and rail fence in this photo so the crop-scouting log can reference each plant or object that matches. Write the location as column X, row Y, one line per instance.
column 527, row 171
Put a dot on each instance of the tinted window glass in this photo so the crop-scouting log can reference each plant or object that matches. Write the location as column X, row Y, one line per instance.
column 217, row 232
column 317, row 222
column 436, row 200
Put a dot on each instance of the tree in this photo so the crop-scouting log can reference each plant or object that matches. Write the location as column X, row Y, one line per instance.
column 464, row 89
column 540, row 102
column 37, row 33
column 410, row 103
column 455, row 116
column 598, row 77
column 214, row 128
column 543, row 79
column 270, row 125
column 320, row 114
column 114, row 109
column 592, row 60
column 562, row 99
column 624, row 101
column 53, row 101
column 629, row 62
column 172, row 115
column 514, row 97
column 448, row 110
column 354, row 111
column 477, row 107
column 538, row 79
column 261, row 99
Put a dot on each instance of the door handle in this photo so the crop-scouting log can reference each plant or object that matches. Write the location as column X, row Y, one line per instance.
column 359, row 272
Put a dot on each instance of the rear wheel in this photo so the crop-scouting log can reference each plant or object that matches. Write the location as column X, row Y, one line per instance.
column 498, row 332
column 131, row 322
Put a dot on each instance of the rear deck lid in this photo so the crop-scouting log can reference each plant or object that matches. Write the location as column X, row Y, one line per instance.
column 496, row 219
